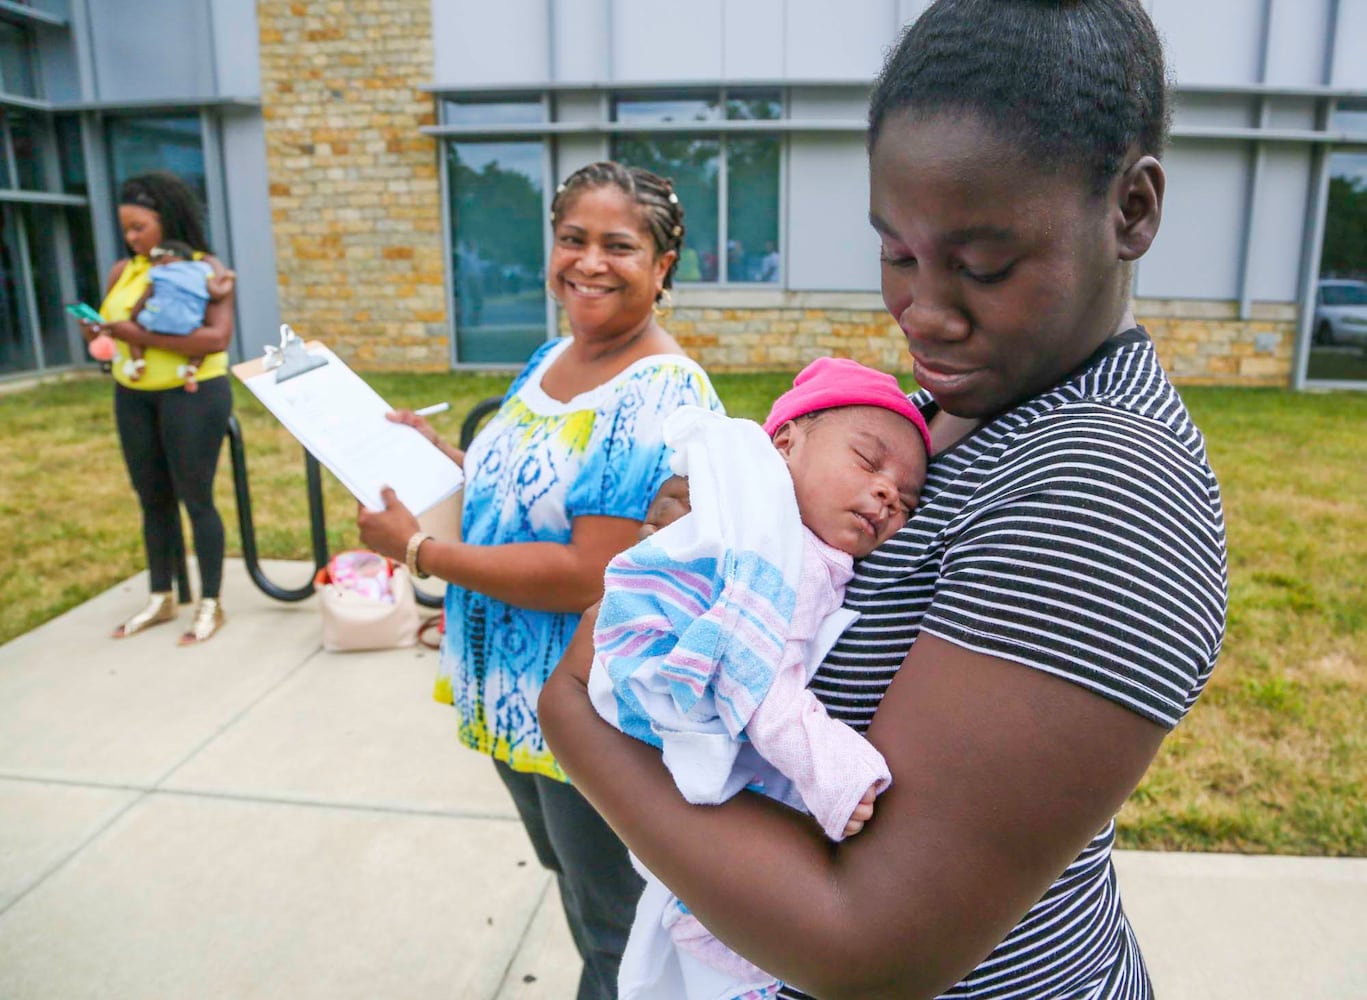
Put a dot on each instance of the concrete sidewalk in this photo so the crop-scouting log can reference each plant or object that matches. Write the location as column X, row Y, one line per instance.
column 258, row 818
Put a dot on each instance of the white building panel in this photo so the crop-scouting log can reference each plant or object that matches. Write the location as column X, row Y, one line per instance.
column 580, row 106
column 1291, row 113
column 127, row 36
column 828, row 104
column 752, row 40
column 1279, row 224
column 1214, row 111
column 910, row 10
column 1296, row 47
column 831, row 245
column 482, row 44
column 580, row 30
column 664, row 41
column 575, row 151
column 1196, row 255
column 1350, row 68
column 237, row 57
column 839, row 41
column 1213, row 41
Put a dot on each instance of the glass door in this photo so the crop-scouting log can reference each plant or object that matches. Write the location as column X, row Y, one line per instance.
column 498, row 214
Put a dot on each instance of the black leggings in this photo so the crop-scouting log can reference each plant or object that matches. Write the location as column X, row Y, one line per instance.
column 171, row 440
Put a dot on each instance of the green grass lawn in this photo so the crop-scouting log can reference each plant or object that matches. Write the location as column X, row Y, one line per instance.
column 1272, row 759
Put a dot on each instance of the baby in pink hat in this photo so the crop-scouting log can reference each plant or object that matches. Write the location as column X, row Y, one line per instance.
column 829, row 468
column 687, row 637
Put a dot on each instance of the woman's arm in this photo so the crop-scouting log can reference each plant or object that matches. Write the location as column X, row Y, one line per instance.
column 1002, row 775
column 544, row 576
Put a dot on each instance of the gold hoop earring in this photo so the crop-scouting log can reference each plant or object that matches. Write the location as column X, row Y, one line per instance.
column 551, row 291
column 664, row 303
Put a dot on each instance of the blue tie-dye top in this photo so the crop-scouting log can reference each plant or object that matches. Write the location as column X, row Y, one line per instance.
column 536, row 466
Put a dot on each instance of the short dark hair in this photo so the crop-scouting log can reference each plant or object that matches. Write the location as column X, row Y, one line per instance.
column 1075, row 82
column 175, row 202
column 655, row 195
column 176, row 248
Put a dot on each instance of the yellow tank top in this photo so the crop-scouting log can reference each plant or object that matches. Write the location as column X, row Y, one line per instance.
column 161, row 365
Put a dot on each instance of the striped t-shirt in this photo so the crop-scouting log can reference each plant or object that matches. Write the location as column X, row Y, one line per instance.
column 1080, row 533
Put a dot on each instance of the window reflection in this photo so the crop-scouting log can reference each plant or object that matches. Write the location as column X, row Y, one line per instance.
column 16, row 62
column 498, row 228
column 693, row 165
column 679, row 106
column 752, row 209
column 40, row 224
column 162, row 142
column 27, row 163
column 492, row 112
column 1338, row 326
column 16, row 340
column 758, row 105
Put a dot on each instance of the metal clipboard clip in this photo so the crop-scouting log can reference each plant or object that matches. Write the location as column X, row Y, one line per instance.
column 291, row 358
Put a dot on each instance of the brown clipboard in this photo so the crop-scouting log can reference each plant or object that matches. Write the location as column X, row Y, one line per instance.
column 257, row 366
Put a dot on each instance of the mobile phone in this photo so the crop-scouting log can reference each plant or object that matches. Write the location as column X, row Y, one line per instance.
column 84, row 312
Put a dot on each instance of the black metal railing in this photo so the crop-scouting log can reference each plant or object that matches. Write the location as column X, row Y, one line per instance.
column 317, row 517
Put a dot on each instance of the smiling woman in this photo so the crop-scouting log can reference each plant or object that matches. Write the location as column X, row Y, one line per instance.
column 557, row 483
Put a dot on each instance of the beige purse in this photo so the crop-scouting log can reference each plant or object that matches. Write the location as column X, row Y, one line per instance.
column 355, row 617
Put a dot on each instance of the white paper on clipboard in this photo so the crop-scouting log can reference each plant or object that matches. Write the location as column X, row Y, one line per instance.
column 340, row 419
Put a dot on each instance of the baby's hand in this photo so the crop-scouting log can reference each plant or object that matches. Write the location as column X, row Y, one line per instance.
column 862, row 812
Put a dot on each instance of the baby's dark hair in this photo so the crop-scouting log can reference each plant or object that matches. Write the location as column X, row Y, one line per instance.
column 1074, row 82
column 655, row 195
column 175, row 248
column 176, row 205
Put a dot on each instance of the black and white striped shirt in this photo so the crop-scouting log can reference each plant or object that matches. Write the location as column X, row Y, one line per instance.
column 1080, row 533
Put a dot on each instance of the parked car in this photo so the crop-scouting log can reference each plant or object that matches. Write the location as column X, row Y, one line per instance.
column 1341, row 312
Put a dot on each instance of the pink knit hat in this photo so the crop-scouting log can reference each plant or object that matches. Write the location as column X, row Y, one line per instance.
column 830, row 382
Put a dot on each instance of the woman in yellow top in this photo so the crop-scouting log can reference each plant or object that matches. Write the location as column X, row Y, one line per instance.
column 171, row 438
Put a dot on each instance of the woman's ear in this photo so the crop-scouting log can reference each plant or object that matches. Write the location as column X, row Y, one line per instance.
column 662, row 265
column 785, row 437
column 1139, row 207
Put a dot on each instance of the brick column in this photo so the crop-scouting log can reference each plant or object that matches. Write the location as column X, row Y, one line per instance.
column 355, row 199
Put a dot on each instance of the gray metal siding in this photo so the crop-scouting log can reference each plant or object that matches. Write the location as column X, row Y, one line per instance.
column 831, row 246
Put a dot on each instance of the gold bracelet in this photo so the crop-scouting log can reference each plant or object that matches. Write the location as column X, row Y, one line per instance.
column 411, row 555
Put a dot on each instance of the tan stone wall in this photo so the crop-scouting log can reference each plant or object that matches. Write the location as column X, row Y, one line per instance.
column 355, row 190
column 1199, row 343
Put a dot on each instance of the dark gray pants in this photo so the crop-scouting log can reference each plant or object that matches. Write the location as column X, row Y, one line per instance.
column 598, row 886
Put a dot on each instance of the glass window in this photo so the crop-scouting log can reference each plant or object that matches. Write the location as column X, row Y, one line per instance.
column 675, row 106
column 752, row 253
column 754, row 105
column 70, row 155
column 16, row 61
column 82, row 237
column 161, row 142
column 1351, row 117
column 16, row 335
column 732, row 236
column 42, row 226
column 1338, row 326
column 493, row 112
column 693, row 164
column 498, row 227
column 28, row 163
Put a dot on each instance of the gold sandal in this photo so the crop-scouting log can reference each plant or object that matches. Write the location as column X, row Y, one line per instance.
column 208, row 619
column 160, row 607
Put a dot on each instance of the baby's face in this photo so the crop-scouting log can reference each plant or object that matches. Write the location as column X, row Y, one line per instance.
column 670, row 504
column 857, row 472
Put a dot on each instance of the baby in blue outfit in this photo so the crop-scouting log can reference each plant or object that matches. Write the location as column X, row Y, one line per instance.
column 179, row 290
